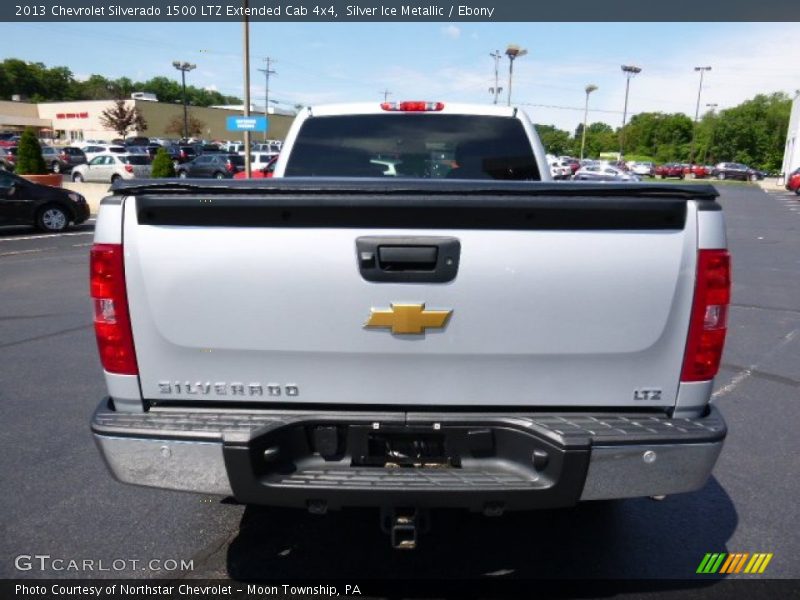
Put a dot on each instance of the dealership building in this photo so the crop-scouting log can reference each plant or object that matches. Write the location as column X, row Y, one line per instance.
column 791, row 156
column 72, row 122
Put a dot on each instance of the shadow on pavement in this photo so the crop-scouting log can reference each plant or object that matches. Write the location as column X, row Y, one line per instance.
column 639, row 538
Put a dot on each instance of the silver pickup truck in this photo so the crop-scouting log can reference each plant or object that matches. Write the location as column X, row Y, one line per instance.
column 372, row 327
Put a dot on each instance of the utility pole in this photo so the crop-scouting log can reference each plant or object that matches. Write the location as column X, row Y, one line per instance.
column 589, row 89
column 267, row 72
column 386, row 94
column 702, row 71
column 630, row 71
column 246, row 51
column 496, row 89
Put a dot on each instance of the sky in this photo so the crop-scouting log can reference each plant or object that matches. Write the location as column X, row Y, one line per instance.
column 344, row 62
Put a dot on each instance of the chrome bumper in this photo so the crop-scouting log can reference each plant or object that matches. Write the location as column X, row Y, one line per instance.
column 628, row 455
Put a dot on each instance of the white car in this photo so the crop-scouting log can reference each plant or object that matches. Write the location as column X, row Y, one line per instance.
column 111, row 167
column 601, row 172
column 643, row 169
column 259, row 160
column 98, row 149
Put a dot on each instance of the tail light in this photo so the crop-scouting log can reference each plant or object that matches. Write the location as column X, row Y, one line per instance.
column 129, row 168
column 112, row 325
column 63, row 156
column 709, row 320
column 415, row 106
column 183, row 154
column 230, row 167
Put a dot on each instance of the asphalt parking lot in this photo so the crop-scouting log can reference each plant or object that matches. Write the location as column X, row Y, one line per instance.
column 59, row 499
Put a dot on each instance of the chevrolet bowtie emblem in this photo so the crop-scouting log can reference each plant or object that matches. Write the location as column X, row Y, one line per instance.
column 408, row 318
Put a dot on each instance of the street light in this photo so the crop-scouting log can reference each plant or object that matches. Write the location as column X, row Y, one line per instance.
column 513, row 52
column 702, row 71
column 589, row 89
column 184, row 67
column 630, row 71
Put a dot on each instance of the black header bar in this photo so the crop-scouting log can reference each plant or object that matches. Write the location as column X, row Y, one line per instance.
column 65, row 11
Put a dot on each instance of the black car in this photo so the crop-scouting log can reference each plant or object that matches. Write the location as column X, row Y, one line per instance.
column 70, row 157
column 217, row 166
column 23, row 202
column 737, row 171
column 182, row 153
column 138, row 140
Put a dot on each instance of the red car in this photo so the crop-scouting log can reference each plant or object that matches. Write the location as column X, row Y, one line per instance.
column 696, row 171
column 670, row 170
column 262, row 173
column 793, row 182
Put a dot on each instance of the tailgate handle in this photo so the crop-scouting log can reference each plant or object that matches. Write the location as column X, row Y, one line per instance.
column 423, row 259
column 407, row 258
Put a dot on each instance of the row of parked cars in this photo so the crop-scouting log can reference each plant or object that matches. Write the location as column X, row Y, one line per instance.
column 102, row 161
column 566, row 167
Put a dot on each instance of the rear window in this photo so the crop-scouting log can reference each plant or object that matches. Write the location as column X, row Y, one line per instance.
column 117, row 149
column 237, row 160
column 136, row 159
column 413, row 145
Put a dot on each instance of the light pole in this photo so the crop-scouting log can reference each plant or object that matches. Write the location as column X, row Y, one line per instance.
column 496, row 89
column 589, row 89
column 630, row 71
column 246, row 68
column 184, row 67
column 513, row 52
column 702, row 71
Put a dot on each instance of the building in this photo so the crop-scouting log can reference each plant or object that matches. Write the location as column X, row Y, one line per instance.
column 72, row 122
column 791, row 156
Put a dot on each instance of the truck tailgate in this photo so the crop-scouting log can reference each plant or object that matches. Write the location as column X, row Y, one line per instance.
column 568, row 295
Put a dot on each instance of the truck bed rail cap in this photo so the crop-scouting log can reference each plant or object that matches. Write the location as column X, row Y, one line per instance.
column 436, row 187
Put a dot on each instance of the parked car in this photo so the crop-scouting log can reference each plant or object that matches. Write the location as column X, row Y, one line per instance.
column 52, row 159
column 600, row 172
column 111, row 167
column 23, row 202
column 793, row 182
column 728, row 170
column 696, row 171
column 97, row 149
column 137, row 141
column 8, row 139
column 670, row 170
column 8, row 158
column 70, row 157
column 217, row 166
column 643, row 169
column 263, row 171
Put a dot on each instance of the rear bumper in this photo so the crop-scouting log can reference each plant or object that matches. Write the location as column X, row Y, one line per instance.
column 509, row 461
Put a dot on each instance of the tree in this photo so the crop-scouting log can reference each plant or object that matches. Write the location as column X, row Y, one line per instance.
column 175, row 126
column 29, row 155
column 162, row 165
column 555, row 141
column 121, row 119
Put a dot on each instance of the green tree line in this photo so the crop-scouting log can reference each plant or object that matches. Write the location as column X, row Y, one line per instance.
column 754, row 133
column 39, row 83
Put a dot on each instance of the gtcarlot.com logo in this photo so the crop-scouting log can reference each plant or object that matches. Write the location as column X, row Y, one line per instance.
column 722, row 563
column 46, row 562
